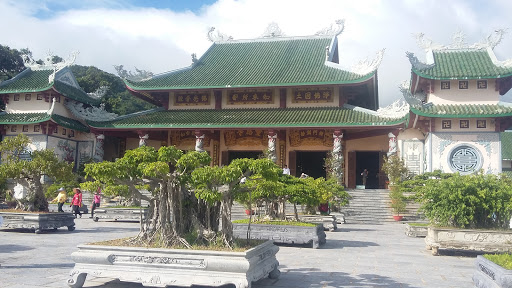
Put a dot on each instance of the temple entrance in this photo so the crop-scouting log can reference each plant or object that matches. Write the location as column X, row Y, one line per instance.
column 311, row 163
column 244, row 154
column 368, row 160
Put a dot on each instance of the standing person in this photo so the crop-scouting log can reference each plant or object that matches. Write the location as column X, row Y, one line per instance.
column 286, row 170
column 365, row 176
column 95, row 201
column 77, row 202
column 61, row 199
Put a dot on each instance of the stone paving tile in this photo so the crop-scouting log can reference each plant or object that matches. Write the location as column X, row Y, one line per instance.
column 355, row 255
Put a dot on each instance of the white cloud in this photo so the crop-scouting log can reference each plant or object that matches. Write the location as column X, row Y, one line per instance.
column 160, row 40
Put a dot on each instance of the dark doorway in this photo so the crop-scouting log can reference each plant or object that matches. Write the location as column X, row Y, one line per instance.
column 370, row 161
column 311, row 163
column 244, row 154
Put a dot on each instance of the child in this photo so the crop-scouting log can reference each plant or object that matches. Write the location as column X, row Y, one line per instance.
column 61, row 199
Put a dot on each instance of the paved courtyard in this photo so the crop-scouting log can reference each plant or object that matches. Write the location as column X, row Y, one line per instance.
column 355, row 255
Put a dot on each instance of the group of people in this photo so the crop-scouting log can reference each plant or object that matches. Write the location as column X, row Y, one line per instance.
column 76, row 202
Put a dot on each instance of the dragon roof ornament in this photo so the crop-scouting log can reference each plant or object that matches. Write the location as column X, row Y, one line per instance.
column 397, row 109
column 366, row 66
column 415, row 101
column 216, row 36
column 139, row 74
column 89, row 113
column 272, row 31
column 99, row 93
column 459, row 42
column 334, row 29
column 417, row 64
column 48, row 63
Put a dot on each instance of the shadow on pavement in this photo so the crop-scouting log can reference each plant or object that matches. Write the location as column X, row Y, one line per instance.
column 13, row 248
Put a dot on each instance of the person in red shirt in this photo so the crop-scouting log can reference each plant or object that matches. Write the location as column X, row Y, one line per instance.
column 76, row 203
column 95, row 202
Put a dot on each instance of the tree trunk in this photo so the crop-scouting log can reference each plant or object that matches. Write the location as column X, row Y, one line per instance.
column 227, row 226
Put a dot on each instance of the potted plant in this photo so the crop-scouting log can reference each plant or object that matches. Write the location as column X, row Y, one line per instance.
column 395, row 169
column 398, row 204
column 190, row 207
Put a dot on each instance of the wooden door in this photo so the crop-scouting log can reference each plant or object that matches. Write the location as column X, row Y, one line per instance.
column 224, row 158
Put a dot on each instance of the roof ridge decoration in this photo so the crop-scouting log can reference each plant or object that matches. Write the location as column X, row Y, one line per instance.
column 50, row 111
column 459, row 41
column 272, row 31
column 417, row 64
column 397, row 109
column 415, row 101
column 218, row 36
column 48, row 64
column 89, row 113
column 334, row 29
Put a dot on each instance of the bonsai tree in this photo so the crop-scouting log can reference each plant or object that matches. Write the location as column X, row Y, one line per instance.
column 29, row 173
column 395, row 168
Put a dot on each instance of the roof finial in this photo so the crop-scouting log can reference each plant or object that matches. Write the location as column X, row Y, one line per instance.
column 272, row 31
column 334, row 29
column 217, row 37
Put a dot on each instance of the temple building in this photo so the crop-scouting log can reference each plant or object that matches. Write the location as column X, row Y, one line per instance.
column 288, row 96
column 456, row 112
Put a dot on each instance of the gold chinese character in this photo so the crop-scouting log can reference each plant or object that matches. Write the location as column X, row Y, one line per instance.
column 255, row 97
column 302, row 133
column 196, row 98
column 187, row 99
column 315, row 132
column 240, row 133
column 234, row 97
column 308, row 132
column 321, row 133
column 326, row 95
column 298, row 96
column 317, row 95
column 307, row 95
column 180, row 98
column 266, row 97
column 245, row 97
column 249, row 132
column 204, row 98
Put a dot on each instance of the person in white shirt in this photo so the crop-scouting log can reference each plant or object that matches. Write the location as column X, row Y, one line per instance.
column 286, row 170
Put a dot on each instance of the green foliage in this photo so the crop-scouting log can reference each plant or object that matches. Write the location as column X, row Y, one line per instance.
column 11, row 62
column 504, row 260
column 464, row 201
column 52, row 189
column 398, row 204
column 117, row 99
column 395, row 168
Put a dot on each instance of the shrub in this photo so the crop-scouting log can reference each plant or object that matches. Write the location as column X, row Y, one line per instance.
column 504, row 260
column 464, row 201
column 395, row 168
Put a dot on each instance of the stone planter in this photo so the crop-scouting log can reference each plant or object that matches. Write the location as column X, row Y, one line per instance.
column 38, row 221
column 130, row 214
column 67, row 208
column 489, row 241
column 490, row 275
column 329, row 222
column 177, row 267
column 416, row 231
column 283, row 233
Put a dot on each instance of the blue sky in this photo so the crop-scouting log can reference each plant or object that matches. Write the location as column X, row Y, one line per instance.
column 160, row 36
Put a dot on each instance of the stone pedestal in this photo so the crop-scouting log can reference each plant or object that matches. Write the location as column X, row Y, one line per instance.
column 329, row 222
column 289, row 234
column 416, row 231
column 175, row 267
column 38, row 221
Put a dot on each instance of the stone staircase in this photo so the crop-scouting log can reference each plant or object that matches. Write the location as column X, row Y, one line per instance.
column 372, row 206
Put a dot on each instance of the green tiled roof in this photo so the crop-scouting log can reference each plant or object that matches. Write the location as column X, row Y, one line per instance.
column 69, row 123
column 27, row 81
column 33, row 118
column 248, row 118
column 464, row 111
column 506, row 145
column 75, row 93
column 23, row 118
column 257, row 63
column 471, row 64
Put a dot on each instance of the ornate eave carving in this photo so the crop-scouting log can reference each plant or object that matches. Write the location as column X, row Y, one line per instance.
column 48, row 64
column 366, row 66
column 89, row 113
column 99, row 93
column 334, row 29
column 216, row 36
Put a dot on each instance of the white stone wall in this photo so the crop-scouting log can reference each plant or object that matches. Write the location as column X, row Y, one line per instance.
column 487, row 144
column 472, row 95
